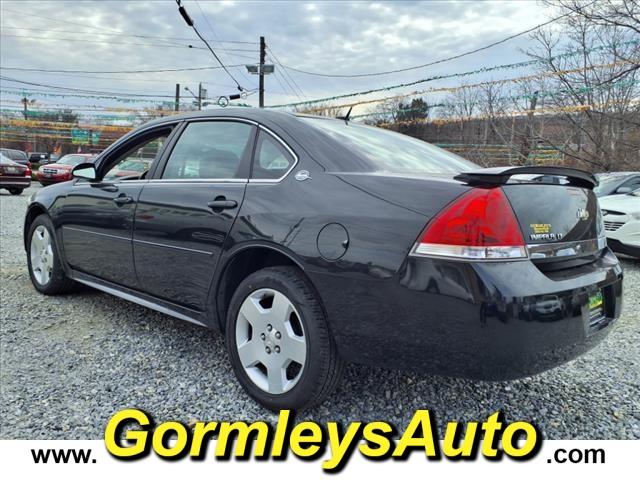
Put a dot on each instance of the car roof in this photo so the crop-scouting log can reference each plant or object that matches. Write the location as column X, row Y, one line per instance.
column 249, row 113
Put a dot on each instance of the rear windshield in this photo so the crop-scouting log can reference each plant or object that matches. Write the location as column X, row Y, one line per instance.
column 15, row 154
column 390, row 151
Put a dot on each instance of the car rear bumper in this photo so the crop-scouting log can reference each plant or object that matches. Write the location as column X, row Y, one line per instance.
column 626, row 237
column 7, row 181
column 491, row 320
column 621, row 247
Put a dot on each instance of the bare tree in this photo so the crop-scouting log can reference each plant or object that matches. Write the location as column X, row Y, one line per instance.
column 594, row 93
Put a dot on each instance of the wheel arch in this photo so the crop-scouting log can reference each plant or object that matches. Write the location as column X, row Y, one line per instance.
column 33, row 212
column 241, row 263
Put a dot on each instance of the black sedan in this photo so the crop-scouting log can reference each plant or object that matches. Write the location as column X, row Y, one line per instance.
column 311, row 242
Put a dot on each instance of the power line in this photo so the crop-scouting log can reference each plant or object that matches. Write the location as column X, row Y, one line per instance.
column 189, row 21
column 23, row 14
column 153, row 37
column 161, row 70
column 442, row 60
column 285, row 73
column 454, row 75
column 129, row 79
column 170, row 45
column 80, row 90
column 216, row 37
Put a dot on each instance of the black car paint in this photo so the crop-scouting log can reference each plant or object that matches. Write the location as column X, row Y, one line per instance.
column 474, row 319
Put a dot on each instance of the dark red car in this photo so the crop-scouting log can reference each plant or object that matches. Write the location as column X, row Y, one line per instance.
column 13, row 176
column 61, row 170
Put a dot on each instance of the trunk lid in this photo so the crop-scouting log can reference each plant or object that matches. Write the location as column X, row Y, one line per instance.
column 554, row 213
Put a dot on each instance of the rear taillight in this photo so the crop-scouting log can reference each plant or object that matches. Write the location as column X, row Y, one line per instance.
column 479, row 225
column 27, row 172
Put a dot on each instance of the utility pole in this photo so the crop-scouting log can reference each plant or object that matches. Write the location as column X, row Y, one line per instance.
column 530, row 132
column 200, row 96
column 177, row 105
column 25, row 101
column 261, row 71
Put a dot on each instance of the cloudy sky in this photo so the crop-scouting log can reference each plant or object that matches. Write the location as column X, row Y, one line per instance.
column 326, row 37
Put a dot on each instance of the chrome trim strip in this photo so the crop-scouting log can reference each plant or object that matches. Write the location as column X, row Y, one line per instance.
column 415, row 252
column 173, row 246
column 140, row 301
column 128, row 239
column 534, row 251
column 197, row 180
column 566, row 249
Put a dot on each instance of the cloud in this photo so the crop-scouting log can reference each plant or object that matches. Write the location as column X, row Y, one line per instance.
column 330, row 37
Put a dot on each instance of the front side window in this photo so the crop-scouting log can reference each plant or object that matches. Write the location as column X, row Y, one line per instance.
column 137, row 160
column 210, row 150
column 271, row 160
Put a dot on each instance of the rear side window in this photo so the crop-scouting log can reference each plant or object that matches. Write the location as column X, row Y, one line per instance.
column 389, row 151
column 209, row 150
column 271, row 160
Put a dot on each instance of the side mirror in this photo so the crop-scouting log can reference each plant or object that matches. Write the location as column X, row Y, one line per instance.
column 623, row 190
column 86, row 171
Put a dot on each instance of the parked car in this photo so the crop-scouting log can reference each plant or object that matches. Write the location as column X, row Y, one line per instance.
column 16, row 155
column 311, row 242
column 617, row 183
column 61, row 170
column 130, row 167
column 39, row 157
column 14, row 176
column 621, row 215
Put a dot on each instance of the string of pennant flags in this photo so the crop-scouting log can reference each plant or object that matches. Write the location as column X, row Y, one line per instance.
column 513, row 98
column 482, row 70
column 450, row 89
column 512, row 114
column 123, row 98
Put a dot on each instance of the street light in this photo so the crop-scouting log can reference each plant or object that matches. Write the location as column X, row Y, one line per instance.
column 202, row 93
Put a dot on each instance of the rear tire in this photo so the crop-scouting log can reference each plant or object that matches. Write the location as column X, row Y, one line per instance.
column 16, row 191
column 43, row 259
column 276, row 323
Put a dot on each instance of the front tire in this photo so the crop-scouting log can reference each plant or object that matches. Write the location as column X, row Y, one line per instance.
column 43, row 258
column 278, row 340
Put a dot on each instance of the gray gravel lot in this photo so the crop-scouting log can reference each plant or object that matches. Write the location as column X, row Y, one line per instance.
column 68, row 363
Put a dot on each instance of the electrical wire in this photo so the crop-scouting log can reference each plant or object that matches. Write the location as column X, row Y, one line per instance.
column 195, row 29
column 285, row 73
column 152, row 37
column 442, row 60
column 80, row 90
column 106, row 42
column 161, row 70
column 226, row 51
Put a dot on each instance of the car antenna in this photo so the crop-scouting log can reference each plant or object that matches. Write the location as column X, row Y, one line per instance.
column 346, row 117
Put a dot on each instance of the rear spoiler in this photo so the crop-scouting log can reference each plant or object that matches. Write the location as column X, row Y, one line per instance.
column 500, row 175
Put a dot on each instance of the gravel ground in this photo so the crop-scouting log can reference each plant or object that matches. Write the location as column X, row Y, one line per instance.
column 68, row 363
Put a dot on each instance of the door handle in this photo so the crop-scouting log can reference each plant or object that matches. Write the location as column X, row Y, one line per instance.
column 122, row 200
column 221, row 203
